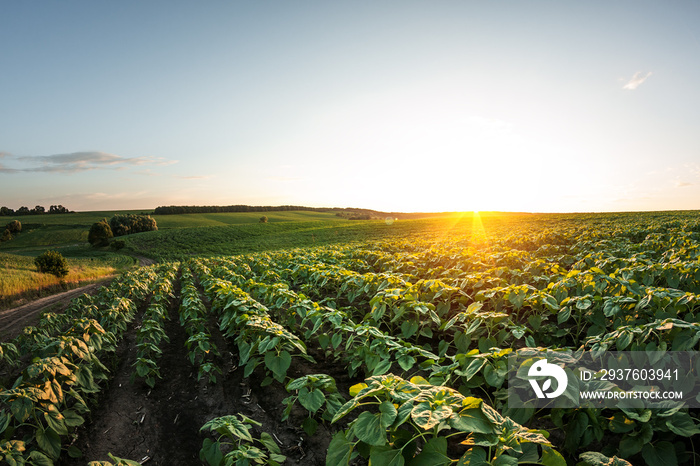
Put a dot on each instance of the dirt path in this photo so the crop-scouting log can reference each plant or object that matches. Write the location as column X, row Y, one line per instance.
column 144, row 261
column 12, row 321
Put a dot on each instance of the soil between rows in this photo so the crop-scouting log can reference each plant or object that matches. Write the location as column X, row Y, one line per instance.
column 161, row 426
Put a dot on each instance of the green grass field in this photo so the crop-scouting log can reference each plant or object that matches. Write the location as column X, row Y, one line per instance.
column 36, row 235
column 186, row 235
column 44, row 231
column 76, row 218
column 178, row 236
column 19, row 279
column 181, row 243
column 172, row 221
column 236, row 239
column 238, row 218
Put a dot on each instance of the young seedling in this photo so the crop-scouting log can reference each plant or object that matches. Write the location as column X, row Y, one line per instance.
column 236, row 446
column 315, row 393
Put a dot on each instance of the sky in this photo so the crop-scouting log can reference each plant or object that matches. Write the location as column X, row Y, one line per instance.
column 537, row 106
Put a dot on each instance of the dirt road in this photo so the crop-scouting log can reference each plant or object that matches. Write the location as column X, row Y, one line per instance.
column 12, row 321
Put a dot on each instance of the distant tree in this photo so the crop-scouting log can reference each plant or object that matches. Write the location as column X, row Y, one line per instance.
column 6, row 236
column 37, row 210
column 52, row 262
column 100, row 233
column 58, row 209
column 130, row 223
column 145, row 223
column 14, row 226
column 263, row 219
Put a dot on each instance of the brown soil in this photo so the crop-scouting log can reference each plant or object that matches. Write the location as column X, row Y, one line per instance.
column 144, row 261
column 161, row 426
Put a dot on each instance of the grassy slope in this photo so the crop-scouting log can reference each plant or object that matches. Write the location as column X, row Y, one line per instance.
column 50, row 231
column 67, row 233
column 237, row 239
column 174, row 244
column 19, row 278
column 76, row 218
column 237, row 218
column 45, row 231
column 83, row 220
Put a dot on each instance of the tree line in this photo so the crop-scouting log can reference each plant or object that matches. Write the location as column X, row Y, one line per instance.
column 346, row 212
column 192, row 209
column 38, row 210
column 119, row 225
column 11, row 229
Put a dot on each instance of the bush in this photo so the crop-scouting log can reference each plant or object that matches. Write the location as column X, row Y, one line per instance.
column 100, row 233
column 263, row 219
column 14, row 226
column 130, row 223
column 52, row 262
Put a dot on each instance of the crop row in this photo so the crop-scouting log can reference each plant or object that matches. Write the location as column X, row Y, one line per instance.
column 643, row 300
column 427, row 326
column 41, row 410
column 433, row 413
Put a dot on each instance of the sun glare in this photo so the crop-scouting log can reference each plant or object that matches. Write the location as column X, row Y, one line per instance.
column 479, row 239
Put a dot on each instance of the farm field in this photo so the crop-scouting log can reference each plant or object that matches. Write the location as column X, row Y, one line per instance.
column 181, row 243
column 68, row 234
column 373, row 343
column 239, row 218
column 68, row 229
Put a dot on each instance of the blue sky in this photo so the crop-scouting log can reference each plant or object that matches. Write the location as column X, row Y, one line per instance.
column 451, row 105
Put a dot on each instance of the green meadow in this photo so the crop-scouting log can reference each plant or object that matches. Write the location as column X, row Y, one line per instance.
column 177, row 236
column 238, row 218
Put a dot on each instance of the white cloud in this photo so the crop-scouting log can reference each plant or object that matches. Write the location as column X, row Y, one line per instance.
column 693, row 168
column 81, row 161
column 683, row 184
column 688, row 175
column 4, row 169
column 636, row 80
column 149, row 172
column 113, row 196
column 105, row 200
